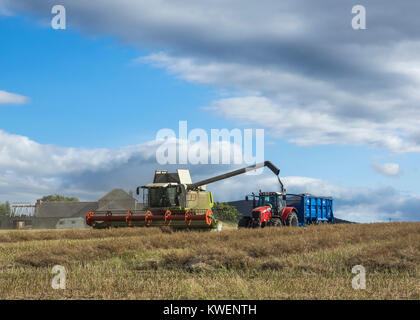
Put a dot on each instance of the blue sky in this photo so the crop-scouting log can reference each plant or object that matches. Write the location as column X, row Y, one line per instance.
column 86, row 91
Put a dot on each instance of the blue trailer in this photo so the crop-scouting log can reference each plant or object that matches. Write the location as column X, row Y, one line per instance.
column 311, row 209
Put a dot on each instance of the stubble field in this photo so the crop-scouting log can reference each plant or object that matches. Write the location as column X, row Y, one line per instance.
column 272, row 263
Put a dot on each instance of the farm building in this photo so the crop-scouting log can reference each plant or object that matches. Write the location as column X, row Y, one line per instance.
column 47, row 214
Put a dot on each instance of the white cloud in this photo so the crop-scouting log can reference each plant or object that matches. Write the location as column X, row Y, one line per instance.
column 29, row 169
column 11, row 98
column 387, row 169
column 19, row 153
column 303, row 110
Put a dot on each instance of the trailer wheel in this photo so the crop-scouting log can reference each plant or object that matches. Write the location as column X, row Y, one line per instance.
column 292, row 219
column 244, row 222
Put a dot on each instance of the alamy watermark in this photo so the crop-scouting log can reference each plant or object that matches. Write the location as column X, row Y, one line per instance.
column 222, row 146
column 359, row 20
column 59, row 20
column 359, row 280
column 59, row 280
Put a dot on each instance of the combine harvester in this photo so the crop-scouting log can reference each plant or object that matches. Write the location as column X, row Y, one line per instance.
column 171, row 200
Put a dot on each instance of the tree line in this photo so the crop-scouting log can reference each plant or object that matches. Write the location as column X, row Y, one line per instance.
column 5, row 209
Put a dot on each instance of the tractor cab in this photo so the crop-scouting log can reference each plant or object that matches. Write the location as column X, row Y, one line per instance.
column 275, row 200
column 269, row 209
column 272, row 199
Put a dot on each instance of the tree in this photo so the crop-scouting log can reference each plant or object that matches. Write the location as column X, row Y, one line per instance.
column 59, row 198
column 225, row 212
column 5, row 209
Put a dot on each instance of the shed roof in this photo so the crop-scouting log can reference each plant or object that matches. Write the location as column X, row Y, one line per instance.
column 64, row 209
column 116, row 194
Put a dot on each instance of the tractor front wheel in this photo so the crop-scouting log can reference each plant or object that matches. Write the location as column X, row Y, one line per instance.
column 276, row 222
column 244, row 222
column 292, row 219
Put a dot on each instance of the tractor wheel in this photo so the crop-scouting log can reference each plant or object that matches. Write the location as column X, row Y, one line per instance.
column 276, row 222
column 244, row 222
column 292, row 219
column 255, row 225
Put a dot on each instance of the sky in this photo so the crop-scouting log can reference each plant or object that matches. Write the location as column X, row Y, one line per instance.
column 80, row 108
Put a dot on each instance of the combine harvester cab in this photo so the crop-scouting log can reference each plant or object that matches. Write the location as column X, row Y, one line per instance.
column 171, row 200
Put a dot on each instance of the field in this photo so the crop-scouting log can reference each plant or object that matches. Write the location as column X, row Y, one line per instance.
column 271, row 263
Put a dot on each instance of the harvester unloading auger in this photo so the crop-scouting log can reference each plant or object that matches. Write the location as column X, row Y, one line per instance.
column 172, row 200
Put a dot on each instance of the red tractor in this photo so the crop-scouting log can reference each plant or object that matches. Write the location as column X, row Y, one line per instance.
column 269, row 209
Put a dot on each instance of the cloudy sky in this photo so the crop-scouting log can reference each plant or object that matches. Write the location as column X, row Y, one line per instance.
column 80, row 107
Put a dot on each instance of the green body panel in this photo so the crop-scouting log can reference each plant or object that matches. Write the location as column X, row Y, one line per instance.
column 201, row 200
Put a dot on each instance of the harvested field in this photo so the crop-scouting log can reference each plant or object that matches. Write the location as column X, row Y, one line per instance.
column 312, row 262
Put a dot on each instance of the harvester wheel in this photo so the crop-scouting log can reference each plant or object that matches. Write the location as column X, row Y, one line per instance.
column 148, row 218
column 128, row 218
column 292, row 219
column 188, row 218
column 168, row 217
column 209, row 217
column 108, row 222
column 89, row 217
